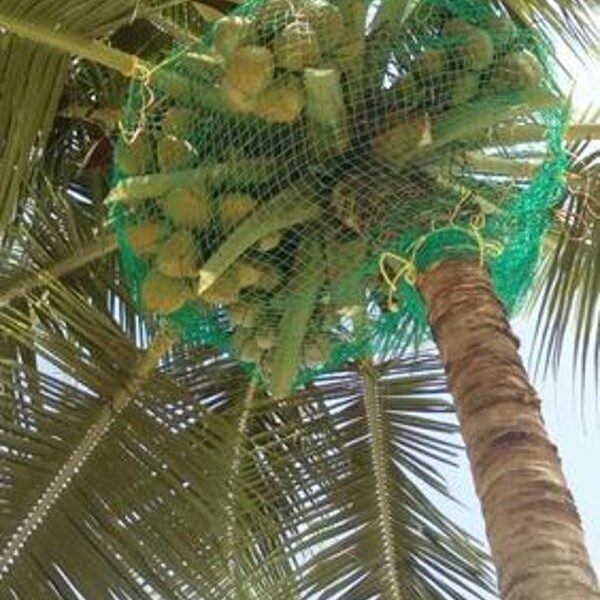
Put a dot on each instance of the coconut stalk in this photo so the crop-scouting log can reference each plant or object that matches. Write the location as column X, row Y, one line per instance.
column 326, row 110
column 146, row 363
column 282, row 211
column 241, row 172
column 461, row 125
column 293, row 326
column 530, row 133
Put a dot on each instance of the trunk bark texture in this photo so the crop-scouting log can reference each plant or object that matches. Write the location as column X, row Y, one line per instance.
column 532, row 523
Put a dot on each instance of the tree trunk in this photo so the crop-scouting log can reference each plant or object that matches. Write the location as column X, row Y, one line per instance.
column 531, row 520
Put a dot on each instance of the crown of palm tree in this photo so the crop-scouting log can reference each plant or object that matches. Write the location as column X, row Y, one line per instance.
column 132, row 468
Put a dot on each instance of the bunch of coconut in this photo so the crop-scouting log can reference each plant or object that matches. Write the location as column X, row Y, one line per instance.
column 279, row 263
column 463, row 66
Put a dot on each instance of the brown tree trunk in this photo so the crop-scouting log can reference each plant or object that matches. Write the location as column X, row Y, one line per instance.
column 531, row 520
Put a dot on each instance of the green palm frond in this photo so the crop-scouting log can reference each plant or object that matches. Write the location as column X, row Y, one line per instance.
column 370, row 527
column 35, row 76
column 568, row 289
column 573, row 21
column 203, row 490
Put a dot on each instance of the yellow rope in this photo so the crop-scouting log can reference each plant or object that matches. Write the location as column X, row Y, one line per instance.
column 408, row 271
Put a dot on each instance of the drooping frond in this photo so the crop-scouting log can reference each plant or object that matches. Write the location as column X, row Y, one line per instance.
column 568, row 288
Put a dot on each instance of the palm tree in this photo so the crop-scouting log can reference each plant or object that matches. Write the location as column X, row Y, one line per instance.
column 167, row 470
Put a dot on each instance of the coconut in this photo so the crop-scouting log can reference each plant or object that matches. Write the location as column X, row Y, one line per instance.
column 265, row 337
column 143, row 238
column 270, row 278
column 403, row 138
column 174, row 154
column 231, row 32
column 348, row 54
column 178, row 121
column 273, row 15
column 297, row 47
column 226, row 290
column 430, row 64
column 477, row 49
column 207, row 67
column 234, row 208
column 327, row 21
column 245, row 346
column 456, row 27
column 270, row 242
column 235, row 100
column 178, row 257
column 503, row 31
column 465, row 88
column 135, row 157
column 249, row 69
column 405, row 92
column 243, row 314
column 517, row 71
column 475, row 46
column 281, row 102
column 316, row 350
column 344, row 257
column 187, row 208
column 163, row 294
column 249, row 273
column 250, row 351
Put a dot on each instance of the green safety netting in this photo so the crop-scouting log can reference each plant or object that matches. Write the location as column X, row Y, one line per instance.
column 281, row 183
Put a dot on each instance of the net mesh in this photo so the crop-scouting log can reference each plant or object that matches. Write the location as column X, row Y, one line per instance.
column 281, row 183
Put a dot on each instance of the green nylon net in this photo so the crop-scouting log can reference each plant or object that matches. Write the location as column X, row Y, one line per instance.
column 281, row 183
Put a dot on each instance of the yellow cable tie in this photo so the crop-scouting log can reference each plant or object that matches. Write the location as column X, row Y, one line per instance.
column 407, row 271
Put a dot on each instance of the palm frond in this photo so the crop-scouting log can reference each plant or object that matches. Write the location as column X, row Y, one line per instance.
column 568, row 290
column 198, row 493
column 370, row 527
column 36, row 75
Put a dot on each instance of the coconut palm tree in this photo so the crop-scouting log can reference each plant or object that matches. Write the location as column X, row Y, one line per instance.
column 135, row 467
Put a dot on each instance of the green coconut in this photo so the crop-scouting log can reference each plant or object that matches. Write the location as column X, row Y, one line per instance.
column 234, row 208
column 135, row 157
column 273, row 15
column 244, row 314
column 297, row 47
column 282, row 102
column 175, row 154
column 179, row 121
column 327, row 21
column 225, row 290
column 204, row 66
column 248, row 272
column 245, row 346
column 249, row 69
column 464, row 88
column 270, row 278
column 517, row 71
column 187, row 208
column 503, row 30
column 429, row 64
column 162, row 294
column 316, row 350
column 265, row 337
column 144, row 238
column 231, row 32
column 403, row 138
column 178, row 256
column 475, row 47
